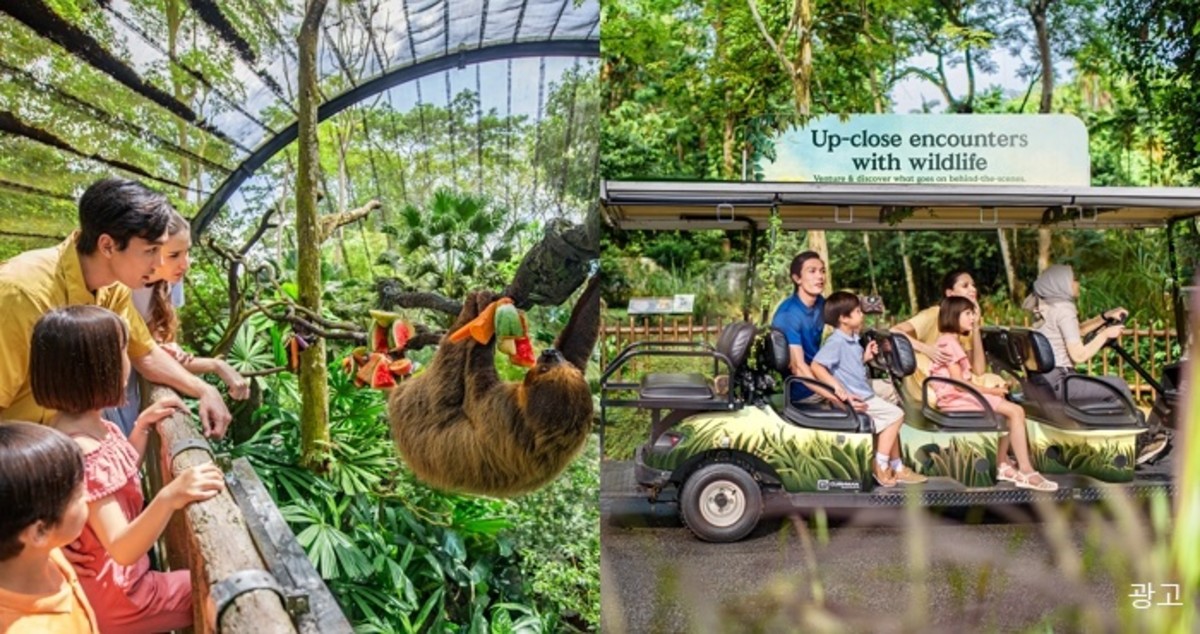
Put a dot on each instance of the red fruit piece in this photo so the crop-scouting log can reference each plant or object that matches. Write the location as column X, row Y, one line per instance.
column 401, row 333
column 379, row 338
column 524, row 356
column 382, row 376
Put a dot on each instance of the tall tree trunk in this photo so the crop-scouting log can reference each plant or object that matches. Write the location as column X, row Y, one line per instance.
column 1010, row 274
column 816, row 242
column 909, row 281
column 343, row 193
column 314, row 394
column 799, row 69
column 1037, row 11
column 1043, row 249
column 803, row 78
column 728, row 167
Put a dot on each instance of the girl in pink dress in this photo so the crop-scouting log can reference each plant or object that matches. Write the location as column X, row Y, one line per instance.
column 78, row 366
column 957, row 316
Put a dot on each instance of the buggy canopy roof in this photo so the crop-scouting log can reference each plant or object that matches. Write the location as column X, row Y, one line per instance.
column 698, row 205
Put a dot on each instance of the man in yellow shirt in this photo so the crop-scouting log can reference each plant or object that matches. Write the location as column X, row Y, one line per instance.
column 123, row 225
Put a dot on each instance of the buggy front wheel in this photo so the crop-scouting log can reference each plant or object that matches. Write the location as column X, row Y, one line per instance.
column 721, row 503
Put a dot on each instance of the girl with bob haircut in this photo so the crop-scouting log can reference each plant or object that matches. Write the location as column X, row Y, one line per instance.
column 127, row 596
column 956, row 317
column 42, row 494
column 923, row 332
column 157, row 303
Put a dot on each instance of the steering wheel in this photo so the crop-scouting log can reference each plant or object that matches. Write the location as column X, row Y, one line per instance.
column 1108, row 322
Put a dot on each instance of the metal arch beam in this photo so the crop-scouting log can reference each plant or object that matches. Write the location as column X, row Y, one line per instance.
column 366, row 90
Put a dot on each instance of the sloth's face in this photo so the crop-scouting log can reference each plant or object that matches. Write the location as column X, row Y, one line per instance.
column 556, row 391
column 549, row 363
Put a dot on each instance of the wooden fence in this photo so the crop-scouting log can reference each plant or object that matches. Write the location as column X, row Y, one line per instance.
column 249, row 575
column 1159, row 342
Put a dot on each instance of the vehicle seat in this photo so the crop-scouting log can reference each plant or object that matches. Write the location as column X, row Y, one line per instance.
column 896, row 355
column 734, row 343
column 1036, row 357
column 827, row 416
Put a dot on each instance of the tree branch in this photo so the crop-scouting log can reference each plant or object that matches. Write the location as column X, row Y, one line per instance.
column 392, row 295
column 331, row 222
column 762, row 28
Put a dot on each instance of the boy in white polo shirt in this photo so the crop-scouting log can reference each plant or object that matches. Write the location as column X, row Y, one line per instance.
column 841, row 362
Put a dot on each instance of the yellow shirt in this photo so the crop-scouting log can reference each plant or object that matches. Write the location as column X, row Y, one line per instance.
column 32, row 284
column 925, row 330
column 64, row 612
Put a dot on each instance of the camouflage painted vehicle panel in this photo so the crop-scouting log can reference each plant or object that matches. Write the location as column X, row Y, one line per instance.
column 806, row 460
column 968, row 457
column 1107, row 456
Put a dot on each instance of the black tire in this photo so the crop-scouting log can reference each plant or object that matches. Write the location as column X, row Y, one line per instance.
column 721, row 503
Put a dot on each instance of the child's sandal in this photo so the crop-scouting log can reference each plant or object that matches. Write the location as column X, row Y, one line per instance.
column 1005, row 472
column 1035, row 481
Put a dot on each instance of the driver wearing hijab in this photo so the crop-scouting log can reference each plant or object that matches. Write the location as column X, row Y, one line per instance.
column 1053, row 306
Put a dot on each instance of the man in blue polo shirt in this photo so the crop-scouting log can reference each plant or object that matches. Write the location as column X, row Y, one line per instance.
column 801, row 317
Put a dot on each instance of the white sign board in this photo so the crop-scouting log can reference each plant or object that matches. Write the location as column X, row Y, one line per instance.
column 991, row 149
column 662, row 305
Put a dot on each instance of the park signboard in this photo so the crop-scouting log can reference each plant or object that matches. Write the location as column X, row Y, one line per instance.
column 956, row 149
column 679, row 304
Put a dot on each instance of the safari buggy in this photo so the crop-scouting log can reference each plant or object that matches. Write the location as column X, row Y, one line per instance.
column 728, row 448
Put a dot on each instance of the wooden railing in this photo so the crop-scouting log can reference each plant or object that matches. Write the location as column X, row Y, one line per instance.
column 249, row 575
column 618, row 334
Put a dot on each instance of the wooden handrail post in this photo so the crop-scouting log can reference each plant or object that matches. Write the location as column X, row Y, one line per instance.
column 216, row 543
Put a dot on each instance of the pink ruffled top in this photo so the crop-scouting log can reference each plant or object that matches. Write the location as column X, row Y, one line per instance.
column 950, row 398
column 112, row 469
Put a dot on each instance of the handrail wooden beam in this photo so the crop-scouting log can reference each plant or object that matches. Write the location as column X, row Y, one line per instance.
column 215, row 542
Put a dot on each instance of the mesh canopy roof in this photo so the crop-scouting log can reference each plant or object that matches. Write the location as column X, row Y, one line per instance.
column 140, row 87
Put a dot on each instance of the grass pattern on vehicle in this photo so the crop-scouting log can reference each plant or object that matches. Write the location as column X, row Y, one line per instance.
column 801, row 457
column 1109, row 462
column 971, row 461
column 802, row 466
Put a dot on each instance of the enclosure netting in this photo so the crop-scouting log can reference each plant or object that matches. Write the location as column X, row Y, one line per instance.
column 194, row 97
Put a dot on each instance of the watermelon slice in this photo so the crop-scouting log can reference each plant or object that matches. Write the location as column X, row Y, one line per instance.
column 379, row 338
column 367, row 370
column 508, row 321
column 524, row 356
column 381, row 377
column 383, row 318
column 401, row 333
column 360, row 355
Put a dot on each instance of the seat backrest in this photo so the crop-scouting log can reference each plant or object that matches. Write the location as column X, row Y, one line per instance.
column 997, row 345
column 775, row 351
column 1033, row 348
column 903, row 359
column 735, row 342
column 895, row 352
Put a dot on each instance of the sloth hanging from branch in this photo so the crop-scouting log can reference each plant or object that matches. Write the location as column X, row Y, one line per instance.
column 461, row 428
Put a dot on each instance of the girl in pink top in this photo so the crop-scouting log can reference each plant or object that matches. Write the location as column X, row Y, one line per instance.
column 126, row 595
column 957, row 316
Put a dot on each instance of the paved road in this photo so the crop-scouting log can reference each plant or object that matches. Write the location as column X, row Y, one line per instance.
column 987, row 573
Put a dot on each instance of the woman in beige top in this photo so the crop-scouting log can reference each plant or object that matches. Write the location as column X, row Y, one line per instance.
column 922, row 330
column 1053, row 306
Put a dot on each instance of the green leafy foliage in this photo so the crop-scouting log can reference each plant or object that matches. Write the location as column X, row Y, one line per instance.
column 401, row 557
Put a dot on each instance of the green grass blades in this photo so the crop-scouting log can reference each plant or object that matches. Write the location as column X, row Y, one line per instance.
column 804, row 459
column 1108, row 462
column 971, row 461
